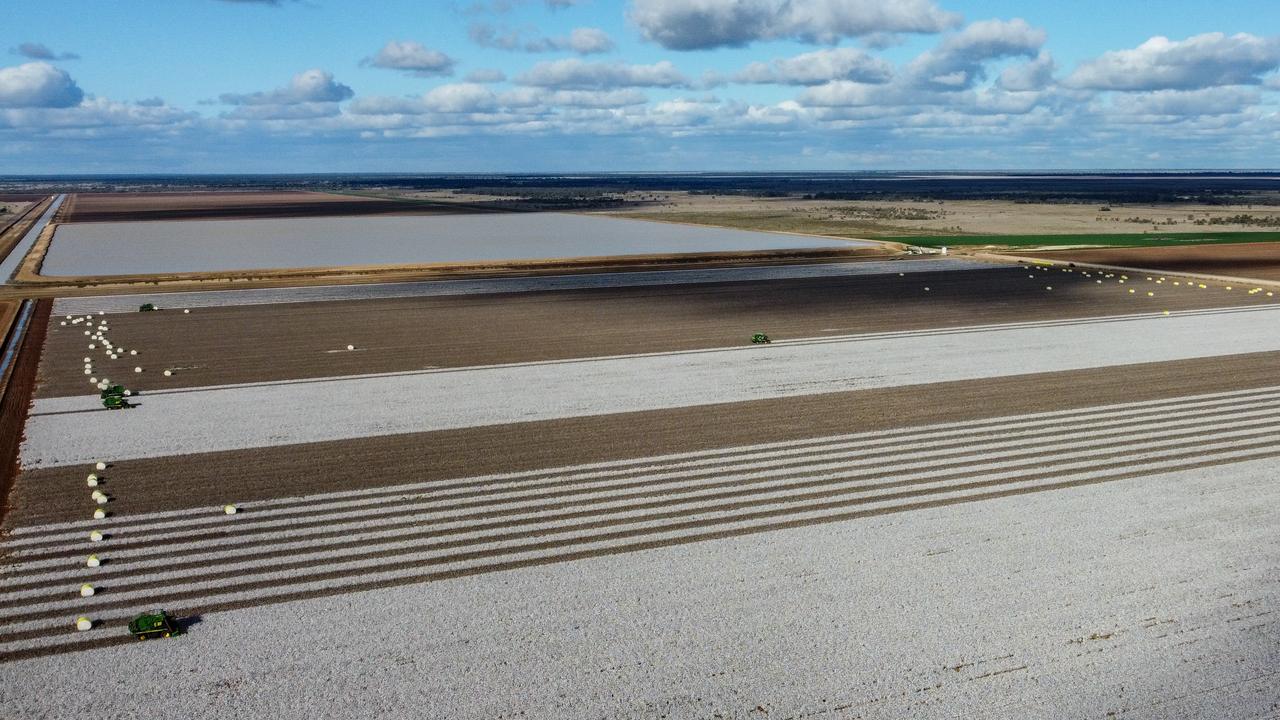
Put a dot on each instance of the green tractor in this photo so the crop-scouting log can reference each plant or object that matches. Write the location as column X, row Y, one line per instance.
column 113, row 398
column 156, row 623
column 146, row 307
column 760, row 339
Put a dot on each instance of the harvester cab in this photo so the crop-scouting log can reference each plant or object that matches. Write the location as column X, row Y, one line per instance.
column 760, row 339
column 154, row 624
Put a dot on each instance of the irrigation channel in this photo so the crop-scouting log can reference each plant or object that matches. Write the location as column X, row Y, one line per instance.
column 10, row 263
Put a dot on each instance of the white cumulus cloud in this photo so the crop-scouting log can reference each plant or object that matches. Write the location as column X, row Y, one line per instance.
column 1201, row 61
column 702, row 24
column 818, row 67
column 309, row 86
column 38, row 84
column 575, row 74
column 411, row 57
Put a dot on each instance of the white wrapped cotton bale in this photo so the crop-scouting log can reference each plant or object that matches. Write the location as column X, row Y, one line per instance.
column 88, row 360
column 86, row 590
column 168, row 373
column 100, row 466
column 92, row 346
column 99, row 514
column 230, row 509
column 133, row 352
column 186, row 312
column 95, row 536
column 63, row 323
column 351, row 347
column 92, row 480
column 83, row 623
column 92, row 561
column 128, row 393
column 137, row 369
column 88, row 371
column 93, row 380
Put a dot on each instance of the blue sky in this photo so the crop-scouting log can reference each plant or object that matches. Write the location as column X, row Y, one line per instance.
column 590, row 85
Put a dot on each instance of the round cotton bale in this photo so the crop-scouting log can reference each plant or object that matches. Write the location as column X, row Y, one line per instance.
column 168, row 373
column 351, row 347
column 1151, row 294
column 86, row 590
column 92, row 480
column 88, row 371
column 83, row 623
column 1098, row 281
column 101, row 499
column 133, row 352
column 1048, row 287
column 92, row 561
column 186, row 312
column 92, row 346
column 63, row 323
column 128, row 393
column 88, row 360
column 1166, row 312
column 100, row 466
column 99, row 514
column 93, row 380
column 95, row 536
column 1131, row 291
column 86, row 332
column 137, row 369
column 68, row 317
column 230, row 509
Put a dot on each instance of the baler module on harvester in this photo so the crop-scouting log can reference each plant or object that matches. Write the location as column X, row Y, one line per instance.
column 114, row 397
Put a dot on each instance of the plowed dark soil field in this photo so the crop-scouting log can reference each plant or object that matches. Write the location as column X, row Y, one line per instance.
column 113, row 207
column 1245, row 260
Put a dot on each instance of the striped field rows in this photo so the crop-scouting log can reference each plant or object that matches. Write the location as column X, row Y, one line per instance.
column 198, row 560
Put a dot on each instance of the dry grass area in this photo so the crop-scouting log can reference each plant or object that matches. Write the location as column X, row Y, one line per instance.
column 888, row 219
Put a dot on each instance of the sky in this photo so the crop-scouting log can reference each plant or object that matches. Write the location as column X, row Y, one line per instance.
column 438, row 86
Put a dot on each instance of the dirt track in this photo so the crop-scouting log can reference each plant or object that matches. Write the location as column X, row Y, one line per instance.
column 214, row 346
column 110, row 207
column 1243, row 260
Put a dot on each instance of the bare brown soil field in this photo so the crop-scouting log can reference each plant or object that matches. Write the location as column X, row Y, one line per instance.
column 57, row 494
column 1260, row 261
column 263, row 343
column 109, row 207
column 16, row 400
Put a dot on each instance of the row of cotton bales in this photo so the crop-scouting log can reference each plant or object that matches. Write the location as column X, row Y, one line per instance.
column 99, row 498
column 1100, row 276
column 98, row 336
